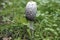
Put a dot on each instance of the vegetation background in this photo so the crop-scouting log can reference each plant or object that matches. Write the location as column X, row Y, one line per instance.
column 13, row 21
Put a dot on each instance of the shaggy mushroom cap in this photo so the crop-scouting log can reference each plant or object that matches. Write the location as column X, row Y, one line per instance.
column 31, row 10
